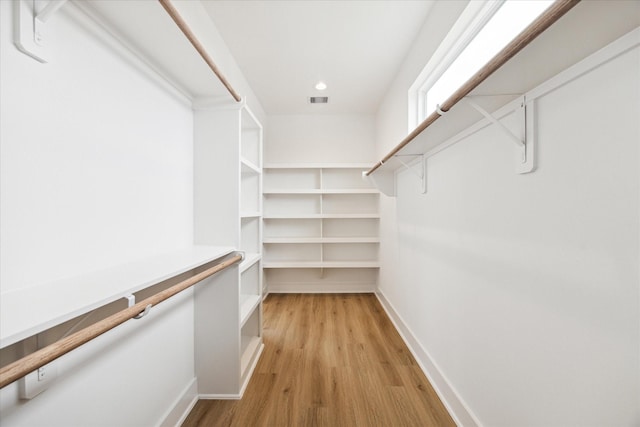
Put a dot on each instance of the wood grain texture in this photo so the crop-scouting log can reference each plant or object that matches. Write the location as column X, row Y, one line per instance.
column 329, row 360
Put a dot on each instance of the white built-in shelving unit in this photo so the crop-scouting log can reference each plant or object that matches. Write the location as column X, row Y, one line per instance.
column 321, row 228
column 228, row 208
column 95, row 290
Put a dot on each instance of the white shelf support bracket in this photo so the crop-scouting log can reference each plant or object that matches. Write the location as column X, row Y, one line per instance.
column 525, row 140
column 422, row 174
column 131, row 301
column 30, row 22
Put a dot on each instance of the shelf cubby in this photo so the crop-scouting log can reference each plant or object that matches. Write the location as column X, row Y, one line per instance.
column 320, row 225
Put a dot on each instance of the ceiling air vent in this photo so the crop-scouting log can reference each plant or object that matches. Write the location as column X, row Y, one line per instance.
column 318, row 99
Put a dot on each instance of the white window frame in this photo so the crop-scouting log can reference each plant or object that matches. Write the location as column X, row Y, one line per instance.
column 468, row 26
column 471, row 21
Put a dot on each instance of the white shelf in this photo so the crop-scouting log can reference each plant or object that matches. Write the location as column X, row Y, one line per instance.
column 322, row 216
column 321, row 220
column 250, row 352
column 322, row 264
column 249, row 260
column 250, row 167
column 91, row 291
column 228, row 167
column 248, row 303
column 292, row 240
column 160, row 42
column 363, row 166
column 254, row 214
column 323, row 191
column 557, row 61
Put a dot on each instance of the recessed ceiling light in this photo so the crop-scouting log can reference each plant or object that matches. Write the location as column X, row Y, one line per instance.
column 321, row 85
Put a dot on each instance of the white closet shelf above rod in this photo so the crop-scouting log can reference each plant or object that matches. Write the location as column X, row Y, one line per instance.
column 143, row 28
column 41, row 357
column 175, row 15
column 484, row 84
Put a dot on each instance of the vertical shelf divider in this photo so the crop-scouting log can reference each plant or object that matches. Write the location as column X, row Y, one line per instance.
column 228, row 210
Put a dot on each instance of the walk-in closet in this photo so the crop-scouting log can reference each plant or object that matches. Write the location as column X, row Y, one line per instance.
column 299, row 213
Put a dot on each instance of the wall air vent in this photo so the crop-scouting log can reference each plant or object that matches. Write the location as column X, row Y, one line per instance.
column 318, row 99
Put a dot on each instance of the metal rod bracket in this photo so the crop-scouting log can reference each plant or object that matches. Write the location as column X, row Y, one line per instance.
column 30, row 18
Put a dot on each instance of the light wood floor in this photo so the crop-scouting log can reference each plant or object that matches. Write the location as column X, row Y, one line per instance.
column 329, row 360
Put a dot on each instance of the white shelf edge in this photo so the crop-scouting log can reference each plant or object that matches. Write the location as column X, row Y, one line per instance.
column 250, row 259
column 428, row 145
column 318, row 165
column 321, row 264
column 254, row 125
column 92, row 291
column 323, row 191
column 323, row 216
column 248, row 304
column 247, row 164
column 249, row 354
column 193, row 81
column 293, row 240
column 253, row 214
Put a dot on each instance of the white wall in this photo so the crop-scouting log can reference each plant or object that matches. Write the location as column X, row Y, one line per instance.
column 96, row 170
column 96, row 160
column 320, row 139
column 520, row 293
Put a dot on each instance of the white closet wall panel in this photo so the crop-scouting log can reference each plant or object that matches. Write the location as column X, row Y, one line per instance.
column 96, row 159
column 523, row 289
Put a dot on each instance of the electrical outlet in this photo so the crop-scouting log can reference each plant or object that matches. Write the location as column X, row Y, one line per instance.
column 42, row 373
column 37, row 381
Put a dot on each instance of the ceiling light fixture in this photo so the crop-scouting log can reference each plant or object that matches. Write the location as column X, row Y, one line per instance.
column 321, row 85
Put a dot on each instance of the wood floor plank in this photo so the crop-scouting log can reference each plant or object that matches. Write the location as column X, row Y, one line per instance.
column 329, row 360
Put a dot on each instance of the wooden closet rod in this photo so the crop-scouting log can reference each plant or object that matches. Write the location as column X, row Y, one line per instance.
column 171, row 10
column 30, row 363
column 537, row 27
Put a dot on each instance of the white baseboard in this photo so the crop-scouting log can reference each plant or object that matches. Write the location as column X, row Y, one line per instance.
column 220, row 396
column 454, row 404
column 182, row 406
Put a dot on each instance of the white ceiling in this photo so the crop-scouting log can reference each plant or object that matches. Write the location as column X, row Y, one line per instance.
column 285, row 47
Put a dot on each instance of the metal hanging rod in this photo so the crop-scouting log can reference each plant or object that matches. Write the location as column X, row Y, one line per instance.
column 537, row 27
column 36, row 360
column 175, row 15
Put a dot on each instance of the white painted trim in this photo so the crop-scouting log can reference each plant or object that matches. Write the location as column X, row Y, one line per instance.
column 472, row 20
column 451, row 399
column 600, row 57
column 251, row 368
column 317, row 165
column 182, row 406
column 596, row 59
column 220, row 396
column 321, row 288
column 216, row 103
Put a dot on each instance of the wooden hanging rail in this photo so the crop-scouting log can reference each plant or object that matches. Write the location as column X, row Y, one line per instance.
column 30, row 363
column 537, row 27
column 175, row 15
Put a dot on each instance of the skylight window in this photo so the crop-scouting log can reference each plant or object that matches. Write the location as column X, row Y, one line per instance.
column 480, row 33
